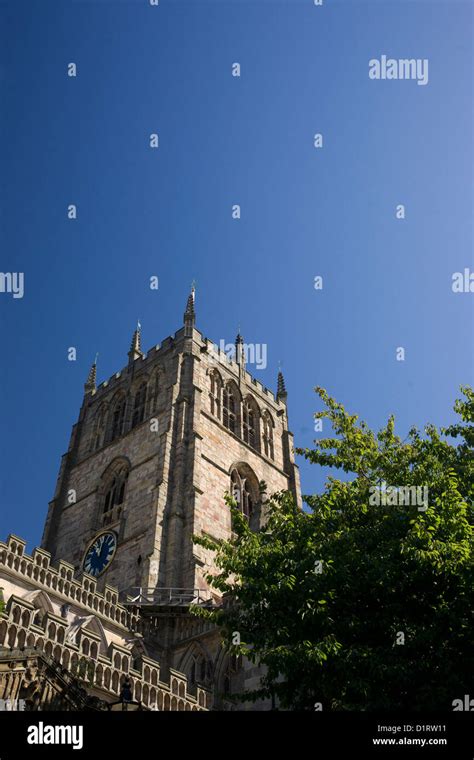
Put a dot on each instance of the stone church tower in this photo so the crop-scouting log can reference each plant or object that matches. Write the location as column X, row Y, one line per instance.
column 153, row 451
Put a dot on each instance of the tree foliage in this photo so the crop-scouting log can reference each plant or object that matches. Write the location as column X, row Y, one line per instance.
column 350, row 604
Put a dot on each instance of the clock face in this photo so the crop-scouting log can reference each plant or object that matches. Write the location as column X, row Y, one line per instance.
column 100, row 553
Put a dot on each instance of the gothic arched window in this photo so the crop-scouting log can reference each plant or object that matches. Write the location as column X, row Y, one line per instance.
column 215, row 394
column 267, row 436
column 139, row 405
column 250, row 422
column 231, row 671
column 230, row 402
column 154, row 389
column 118, row 418
column 114, row 494
column 98, row 429
column 198, row 670
column 242, row 493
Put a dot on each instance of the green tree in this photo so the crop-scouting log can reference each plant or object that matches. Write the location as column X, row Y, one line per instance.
column 356, row 605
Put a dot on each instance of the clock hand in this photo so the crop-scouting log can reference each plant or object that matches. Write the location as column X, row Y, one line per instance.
column 105, row 550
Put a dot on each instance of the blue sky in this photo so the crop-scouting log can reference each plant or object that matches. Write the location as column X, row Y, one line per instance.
column 225, row 140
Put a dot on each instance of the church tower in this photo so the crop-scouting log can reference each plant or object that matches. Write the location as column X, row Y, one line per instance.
column 153, row 451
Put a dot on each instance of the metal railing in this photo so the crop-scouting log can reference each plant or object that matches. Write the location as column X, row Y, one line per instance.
column 164, row 597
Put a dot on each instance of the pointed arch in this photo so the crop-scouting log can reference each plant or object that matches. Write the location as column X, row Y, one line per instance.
column 267, row 434
column 215, row 393
column 99, row 425
column 244, row 488
column 251, row 422
column 154, row 388
column 112, row 491
column 228, row 670
column 231, row 402
column 139, row 403
column 116, row 418
column 196, row 663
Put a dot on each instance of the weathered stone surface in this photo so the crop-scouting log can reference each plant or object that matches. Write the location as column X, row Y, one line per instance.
column 175, row 457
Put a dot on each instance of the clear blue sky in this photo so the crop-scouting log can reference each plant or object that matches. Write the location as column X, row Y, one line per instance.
column 167, row 212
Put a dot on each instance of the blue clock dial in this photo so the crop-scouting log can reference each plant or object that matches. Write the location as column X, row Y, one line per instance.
column 100, row 553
